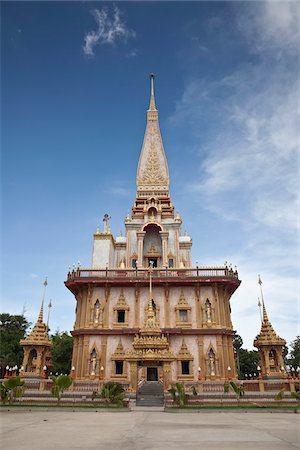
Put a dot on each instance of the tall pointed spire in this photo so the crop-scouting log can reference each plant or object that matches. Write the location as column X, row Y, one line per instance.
column 152, row 106
column 267, row 333
column 39, row 332
column 265, row 316
column 152, row 173
column 40, row 318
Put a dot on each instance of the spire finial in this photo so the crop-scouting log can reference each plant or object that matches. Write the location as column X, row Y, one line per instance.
column 265, row 316
column 152, row 106
column 40, row 318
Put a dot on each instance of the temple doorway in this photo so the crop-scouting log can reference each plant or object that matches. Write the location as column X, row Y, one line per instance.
column 152, row 374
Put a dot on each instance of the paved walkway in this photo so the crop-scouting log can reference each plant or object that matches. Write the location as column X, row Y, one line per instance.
column 139, row 430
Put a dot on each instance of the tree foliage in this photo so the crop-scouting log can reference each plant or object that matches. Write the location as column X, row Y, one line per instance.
column 293, row 359
column 10, row 389
column 247, row 360
column 113, row 392
column 178, row 394
column 60, row 384
column 62, row 346
column 12, row 330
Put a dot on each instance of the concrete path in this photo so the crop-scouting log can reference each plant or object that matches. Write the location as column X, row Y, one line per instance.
column 140, row 430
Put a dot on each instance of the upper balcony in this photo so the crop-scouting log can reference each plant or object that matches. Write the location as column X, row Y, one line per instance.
column 203, row 275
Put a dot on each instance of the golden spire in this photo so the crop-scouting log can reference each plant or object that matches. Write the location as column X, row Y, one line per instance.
column 267, row 334
column 265, row 316
column 40, row 318
column 152, row 106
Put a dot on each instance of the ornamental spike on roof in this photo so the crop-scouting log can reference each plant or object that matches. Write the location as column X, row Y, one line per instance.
column 267, row 335
column 152, row 173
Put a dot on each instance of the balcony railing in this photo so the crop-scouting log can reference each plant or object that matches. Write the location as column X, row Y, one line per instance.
column 198, row 272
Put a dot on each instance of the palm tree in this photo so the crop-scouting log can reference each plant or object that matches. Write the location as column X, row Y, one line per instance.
column 113, row 392
column 60, row 384
column 11, row 389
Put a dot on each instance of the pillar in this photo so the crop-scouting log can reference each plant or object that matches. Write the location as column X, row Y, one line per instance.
column 140, row 239
column 133, row 375
column 201, row 360
column 137, row 307
column 167, row 306
column 164, row 237
column 167, row 375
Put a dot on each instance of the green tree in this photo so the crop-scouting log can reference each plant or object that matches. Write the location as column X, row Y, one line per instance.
column 11, row 388
column 60, row 384
column 237, row 344
column 178, row 394
column 12, row 330
column 293, row 359
column 62, row 346
column 113, row 392
column 246, row 360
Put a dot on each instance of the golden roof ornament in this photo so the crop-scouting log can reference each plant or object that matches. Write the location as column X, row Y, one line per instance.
column 39, row 333
column 152, row 173
column 267, row 335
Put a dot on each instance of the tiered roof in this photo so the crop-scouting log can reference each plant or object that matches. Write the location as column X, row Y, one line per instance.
column 39, row 333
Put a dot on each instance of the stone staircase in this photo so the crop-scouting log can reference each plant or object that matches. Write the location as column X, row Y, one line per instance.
column 150, row 394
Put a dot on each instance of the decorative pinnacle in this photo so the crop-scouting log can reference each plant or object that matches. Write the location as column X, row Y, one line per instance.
column 265, row 316
column 152, row 106
column 40, row 318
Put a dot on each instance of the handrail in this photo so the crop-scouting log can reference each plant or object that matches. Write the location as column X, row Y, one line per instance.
column 198, row 272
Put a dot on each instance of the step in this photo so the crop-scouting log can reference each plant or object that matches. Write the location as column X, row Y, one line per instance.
column 148, row 408
column 150, row 401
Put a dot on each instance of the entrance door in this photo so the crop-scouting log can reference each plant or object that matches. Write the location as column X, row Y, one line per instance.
column 152, row 262
column 152, row 374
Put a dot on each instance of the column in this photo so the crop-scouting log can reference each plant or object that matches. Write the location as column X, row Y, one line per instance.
column 198, row 306
column 220, row 356
column 164, row 237
column 103, row 360
column 133, row 375
column 137, row 307
column 217, row 301
column 85, row 356
column 74, row 356
column 201, row 359
column 232, row 373
column 106, row 310
column 79, row 360
column 140, row 238
column 167, row 375
column 167, row 307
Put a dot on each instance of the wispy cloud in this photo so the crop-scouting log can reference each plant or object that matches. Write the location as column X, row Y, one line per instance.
column 110, row 29
column 271, row 27
column 247, row 128
column 33, row 276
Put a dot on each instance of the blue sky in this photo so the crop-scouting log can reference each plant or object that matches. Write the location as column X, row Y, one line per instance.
column 75, row 90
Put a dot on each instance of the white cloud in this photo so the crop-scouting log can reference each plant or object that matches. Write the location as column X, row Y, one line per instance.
column 247, row 128
column 110, row 29
column 33, row 276
column 272, row 27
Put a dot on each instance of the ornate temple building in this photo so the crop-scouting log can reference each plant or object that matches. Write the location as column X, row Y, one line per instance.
column 37, row 350
column 270, row 347
column 143, row 313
